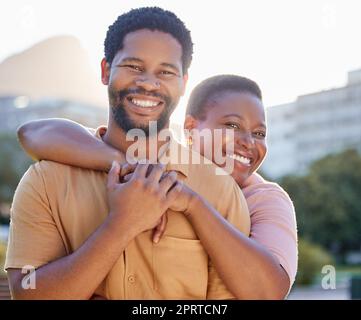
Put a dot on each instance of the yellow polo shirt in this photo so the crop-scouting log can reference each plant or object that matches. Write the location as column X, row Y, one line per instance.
column 57, row 207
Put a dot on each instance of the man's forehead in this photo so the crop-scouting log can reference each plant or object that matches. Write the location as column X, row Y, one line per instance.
column 146, row 46
column 145, row 40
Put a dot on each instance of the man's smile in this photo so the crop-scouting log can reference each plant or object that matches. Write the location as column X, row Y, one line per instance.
column 144, row 105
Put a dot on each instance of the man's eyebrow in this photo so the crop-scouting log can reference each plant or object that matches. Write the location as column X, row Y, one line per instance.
column 130, row 59
column 261, row 124
column 170, row 65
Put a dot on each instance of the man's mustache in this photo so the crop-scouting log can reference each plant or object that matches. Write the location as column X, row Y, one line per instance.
column 123, row 93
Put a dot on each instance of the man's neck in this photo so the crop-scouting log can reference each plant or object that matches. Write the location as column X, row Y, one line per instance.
column 140, row 148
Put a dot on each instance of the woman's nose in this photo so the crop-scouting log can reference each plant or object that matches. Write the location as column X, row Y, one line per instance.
column 245, row 139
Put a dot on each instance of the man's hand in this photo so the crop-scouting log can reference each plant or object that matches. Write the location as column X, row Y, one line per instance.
column 142, row 199
column 126, row 173
column 181, row 203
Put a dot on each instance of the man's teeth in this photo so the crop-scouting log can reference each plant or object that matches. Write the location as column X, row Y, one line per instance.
column 144, row 103
column 241, row 159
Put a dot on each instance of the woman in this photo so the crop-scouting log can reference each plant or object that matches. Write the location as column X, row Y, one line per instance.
column 260, row 267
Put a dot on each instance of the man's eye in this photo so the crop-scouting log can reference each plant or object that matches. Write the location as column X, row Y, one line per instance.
column 167, row 73
column 133, row 67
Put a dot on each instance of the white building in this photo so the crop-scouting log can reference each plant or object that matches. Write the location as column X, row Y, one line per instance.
column 312, row 127
column 15, row 111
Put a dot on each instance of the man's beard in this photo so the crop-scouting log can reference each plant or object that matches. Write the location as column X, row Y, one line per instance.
column 121, row 117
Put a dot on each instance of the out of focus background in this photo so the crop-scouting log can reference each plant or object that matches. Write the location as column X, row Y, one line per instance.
column 306, row 57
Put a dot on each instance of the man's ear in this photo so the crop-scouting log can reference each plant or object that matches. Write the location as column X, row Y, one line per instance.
column 105, row 66
column 185, row 80
column 190, row 123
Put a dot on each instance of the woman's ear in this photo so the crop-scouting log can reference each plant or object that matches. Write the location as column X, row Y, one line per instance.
column 105, row 68
column 190, row 123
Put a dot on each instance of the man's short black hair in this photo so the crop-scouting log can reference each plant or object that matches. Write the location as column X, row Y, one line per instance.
column 212, row 87
column 152, row 18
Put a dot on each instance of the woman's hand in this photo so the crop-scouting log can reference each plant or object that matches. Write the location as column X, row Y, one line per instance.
column 182, row 203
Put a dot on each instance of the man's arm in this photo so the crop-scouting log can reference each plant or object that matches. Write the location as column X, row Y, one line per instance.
column 78, row 275
column 67, row 142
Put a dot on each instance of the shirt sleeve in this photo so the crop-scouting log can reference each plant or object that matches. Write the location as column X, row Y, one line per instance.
column 34, row 239
column 234, row 205
column 273, row 225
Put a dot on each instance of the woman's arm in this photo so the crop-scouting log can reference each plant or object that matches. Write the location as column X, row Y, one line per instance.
column 68, row 142
column 247, row 268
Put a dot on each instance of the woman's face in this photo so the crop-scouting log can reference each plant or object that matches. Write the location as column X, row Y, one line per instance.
column 244, row 114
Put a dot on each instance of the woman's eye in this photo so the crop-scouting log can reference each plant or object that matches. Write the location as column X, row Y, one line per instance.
column 232, row 125
column 260, row 134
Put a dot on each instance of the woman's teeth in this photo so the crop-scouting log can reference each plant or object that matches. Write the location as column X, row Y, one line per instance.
column 244, row 160
column 144, row 103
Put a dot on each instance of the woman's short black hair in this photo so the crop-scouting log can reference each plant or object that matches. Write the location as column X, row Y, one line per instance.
column 210, row 88
column 152, row 18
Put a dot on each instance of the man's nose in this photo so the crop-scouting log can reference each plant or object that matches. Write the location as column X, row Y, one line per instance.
column 148, row 82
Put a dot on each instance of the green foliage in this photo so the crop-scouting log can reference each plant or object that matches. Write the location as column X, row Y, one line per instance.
column 328, row 202
column 13, row 164
column 311, row 259
column 2, row 257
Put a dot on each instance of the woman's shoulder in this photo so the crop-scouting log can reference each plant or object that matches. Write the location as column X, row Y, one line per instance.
column 261, row 193
column 256, row 183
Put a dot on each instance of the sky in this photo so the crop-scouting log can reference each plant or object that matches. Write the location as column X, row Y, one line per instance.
column 289, row 47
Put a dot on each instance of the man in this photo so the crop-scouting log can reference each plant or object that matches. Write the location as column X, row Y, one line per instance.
column 83, row 231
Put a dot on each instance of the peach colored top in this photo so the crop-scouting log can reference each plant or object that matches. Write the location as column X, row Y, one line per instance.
column 273, row 221
column 57, row 207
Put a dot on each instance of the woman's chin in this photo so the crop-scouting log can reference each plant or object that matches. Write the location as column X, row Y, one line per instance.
column 240, row 178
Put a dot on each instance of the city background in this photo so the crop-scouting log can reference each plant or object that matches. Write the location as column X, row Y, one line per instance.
column 306, row 59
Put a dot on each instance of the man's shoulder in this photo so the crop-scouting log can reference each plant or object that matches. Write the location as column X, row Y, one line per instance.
column 203, row 176
column 58, row 172
column 47, row 167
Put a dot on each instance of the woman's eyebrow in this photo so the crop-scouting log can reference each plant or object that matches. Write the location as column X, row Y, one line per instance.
column 235, row 115
column 261, row 124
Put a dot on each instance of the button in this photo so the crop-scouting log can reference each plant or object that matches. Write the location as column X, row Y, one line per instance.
column 131, row 279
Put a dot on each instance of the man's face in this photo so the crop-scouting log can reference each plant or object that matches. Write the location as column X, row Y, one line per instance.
column 145, row 80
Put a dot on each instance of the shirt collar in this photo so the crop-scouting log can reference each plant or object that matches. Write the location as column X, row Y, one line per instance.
column 171, row 155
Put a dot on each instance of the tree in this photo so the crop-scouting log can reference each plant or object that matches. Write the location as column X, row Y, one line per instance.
column 328, row 202
column 13, row 164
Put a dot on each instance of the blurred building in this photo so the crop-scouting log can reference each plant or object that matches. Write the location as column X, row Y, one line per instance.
column 312, row 127
column 16, row 110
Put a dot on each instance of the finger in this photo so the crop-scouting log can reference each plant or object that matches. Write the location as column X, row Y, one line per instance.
column 174, row 192
column 141, row 170
column 167, row 181
column 113, row 175
column 127, row 168
column 127, row 177
column 160, row 228
column 157, row 172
